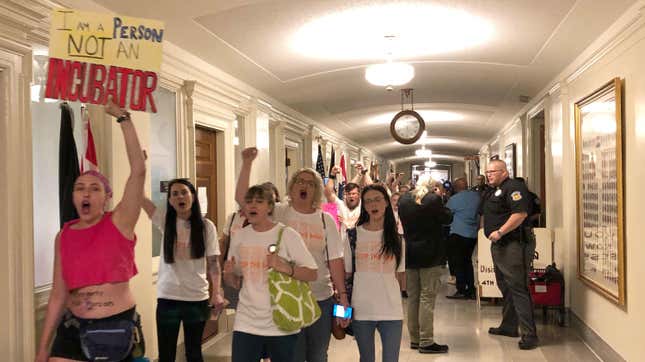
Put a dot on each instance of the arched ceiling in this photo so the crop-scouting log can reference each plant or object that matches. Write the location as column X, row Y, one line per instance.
column 465, row 95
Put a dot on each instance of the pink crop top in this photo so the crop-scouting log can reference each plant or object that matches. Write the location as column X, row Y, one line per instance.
column 96, row 255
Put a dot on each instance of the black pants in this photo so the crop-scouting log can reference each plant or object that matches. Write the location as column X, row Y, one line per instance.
column 512, row 261
column 461, row 261
column 170, row 313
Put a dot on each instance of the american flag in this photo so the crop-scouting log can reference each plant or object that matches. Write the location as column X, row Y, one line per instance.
column 320, row 166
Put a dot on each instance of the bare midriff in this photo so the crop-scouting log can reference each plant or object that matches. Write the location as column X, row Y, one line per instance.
column 100, row 301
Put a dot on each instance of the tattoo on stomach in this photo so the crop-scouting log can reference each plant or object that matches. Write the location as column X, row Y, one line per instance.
column 87, row 300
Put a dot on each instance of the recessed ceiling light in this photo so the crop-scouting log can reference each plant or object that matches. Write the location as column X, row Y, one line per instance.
column 402, row 30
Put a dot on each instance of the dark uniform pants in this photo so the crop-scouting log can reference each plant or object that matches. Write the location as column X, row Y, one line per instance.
column 512, row 262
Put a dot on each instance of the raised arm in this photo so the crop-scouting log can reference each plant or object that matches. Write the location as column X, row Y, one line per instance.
column 330, row 193
column 149, row 207
column 127, row 211
column 248, row 155
column 55, row 306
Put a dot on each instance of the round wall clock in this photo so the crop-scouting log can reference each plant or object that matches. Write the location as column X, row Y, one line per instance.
column 407, row 127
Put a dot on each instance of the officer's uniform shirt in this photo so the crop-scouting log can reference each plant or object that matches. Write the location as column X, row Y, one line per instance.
column 534, row 208
column 500, row 202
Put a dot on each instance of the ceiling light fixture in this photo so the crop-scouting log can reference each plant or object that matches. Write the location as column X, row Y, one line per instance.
column 430, row 163
column 423, row 152
column 389, row 74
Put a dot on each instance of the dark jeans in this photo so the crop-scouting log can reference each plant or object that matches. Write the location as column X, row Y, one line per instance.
column 512, row 260
column 462, row 251
column 170, row 313
column 313, row 341
column 249, row 347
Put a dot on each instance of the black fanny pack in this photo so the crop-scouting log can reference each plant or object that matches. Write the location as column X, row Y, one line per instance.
column 112, row 339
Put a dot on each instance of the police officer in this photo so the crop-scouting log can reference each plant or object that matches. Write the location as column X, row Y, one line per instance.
column 505, row 209
column 535, row 208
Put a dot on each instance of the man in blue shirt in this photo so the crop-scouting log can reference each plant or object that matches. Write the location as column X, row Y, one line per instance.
column 464, row 205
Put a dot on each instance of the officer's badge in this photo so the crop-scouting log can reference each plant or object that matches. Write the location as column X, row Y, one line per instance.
column 498, row 192
column 516, row 196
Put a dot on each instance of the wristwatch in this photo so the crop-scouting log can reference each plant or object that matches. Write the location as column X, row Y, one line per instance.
column 124, row 117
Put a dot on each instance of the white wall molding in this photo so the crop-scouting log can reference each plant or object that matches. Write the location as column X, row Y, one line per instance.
column 16, row 215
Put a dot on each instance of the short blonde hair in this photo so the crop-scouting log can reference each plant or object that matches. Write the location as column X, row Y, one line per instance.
column 318, row 185
column 424, row 185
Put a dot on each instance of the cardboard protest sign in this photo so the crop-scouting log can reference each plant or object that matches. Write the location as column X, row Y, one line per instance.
column 94, row 57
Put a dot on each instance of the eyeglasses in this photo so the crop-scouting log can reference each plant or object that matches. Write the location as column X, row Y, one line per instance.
column 369, row 201
column 491, row 171
column 307, row 183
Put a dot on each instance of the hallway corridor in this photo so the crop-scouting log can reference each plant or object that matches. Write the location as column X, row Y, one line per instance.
column 376, row 92
column 463, row 327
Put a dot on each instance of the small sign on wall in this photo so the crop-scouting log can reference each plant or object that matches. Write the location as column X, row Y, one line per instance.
column 163, row 186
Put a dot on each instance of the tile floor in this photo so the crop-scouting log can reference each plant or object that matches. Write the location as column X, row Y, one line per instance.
column 463, row 326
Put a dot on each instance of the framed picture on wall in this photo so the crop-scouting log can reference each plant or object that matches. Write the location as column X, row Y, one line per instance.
column 509, row 158
column 599, row 188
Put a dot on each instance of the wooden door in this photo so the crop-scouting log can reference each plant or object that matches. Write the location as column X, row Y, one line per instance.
column 206, row 167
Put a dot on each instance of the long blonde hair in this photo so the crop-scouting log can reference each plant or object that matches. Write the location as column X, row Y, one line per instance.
column 318, row 185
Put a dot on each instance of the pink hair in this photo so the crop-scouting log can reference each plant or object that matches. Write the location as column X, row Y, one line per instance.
column 102, row 178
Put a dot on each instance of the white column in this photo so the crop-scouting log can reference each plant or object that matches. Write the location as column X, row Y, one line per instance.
column 186, row 140
column 278, row 167
column 254, row 132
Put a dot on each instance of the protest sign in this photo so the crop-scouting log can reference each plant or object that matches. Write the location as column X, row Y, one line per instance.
column 94, row 57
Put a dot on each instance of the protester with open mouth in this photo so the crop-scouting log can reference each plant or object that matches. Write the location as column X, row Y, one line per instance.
column 250, row 257
column 318, row 230
column 190, row 252
column 379, row 259
column 94, row 261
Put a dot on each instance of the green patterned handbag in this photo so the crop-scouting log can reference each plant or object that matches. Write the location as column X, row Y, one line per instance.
column 293, row 304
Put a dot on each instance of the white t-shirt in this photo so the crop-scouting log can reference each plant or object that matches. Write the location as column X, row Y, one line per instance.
column 238, row 224
column 310, row 228
column 376, row 295
column 250, row 248
column 349, row 217
column 185, row 279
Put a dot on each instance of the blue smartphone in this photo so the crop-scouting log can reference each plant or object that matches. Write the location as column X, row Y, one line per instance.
column 342, row 312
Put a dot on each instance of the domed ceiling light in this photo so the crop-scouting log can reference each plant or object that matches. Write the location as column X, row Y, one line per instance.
column 423, row 152
column 389, row 74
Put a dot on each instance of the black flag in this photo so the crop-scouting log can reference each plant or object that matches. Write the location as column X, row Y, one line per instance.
column 332, row 162
column 67, row 166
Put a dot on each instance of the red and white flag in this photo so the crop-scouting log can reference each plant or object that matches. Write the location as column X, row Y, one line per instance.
column 89, row 162
column 342, row 167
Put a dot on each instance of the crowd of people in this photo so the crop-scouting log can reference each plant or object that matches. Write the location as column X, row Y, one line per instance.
column 386, row 241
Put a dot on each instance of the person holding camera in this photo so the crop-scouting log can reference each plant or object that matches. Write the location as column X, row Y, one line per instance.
column 422, row 214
